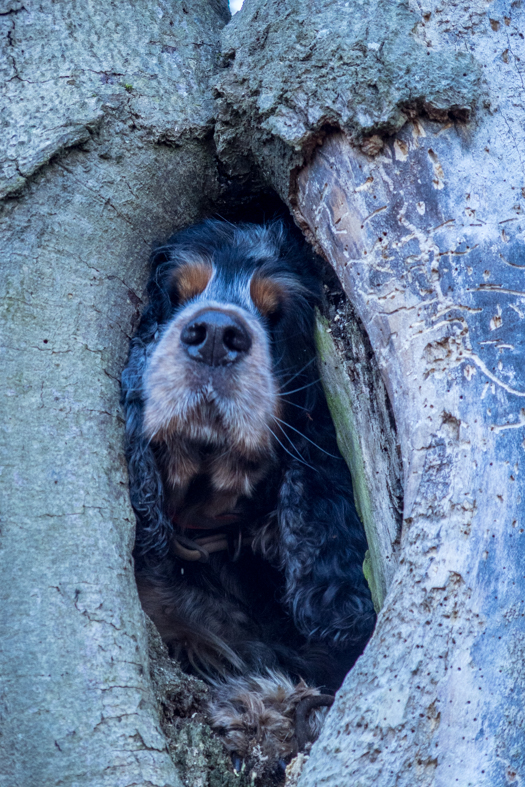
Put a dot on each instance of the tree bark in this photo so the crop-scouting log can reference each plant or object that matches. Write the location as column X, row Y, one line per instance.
column 437, row 696
column 105, row 149
column 426, row 236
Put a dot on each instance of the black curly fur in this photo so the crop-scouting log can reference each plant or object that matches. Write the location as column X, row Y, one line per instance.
column 298, row 601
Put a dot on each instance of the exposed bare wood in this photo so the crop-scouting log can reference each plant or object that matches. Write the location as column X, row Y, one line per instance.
column 433, row 264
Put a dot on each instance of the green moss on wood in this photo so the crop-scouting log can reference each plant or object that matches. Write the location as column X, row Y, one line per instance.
column 338, row 395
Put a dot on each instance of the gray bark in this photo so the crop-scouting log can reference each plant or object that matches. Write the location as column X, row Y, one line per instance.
column 427, row 239
column 104, row 149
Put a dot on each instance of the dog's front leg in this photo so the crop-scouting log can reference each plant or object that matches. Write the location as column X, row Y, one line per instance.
column 322, row 547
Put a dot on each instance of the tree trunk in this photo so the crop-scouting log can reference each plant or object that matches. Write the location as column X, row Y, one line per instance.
column 426, row 237
column 105, row 150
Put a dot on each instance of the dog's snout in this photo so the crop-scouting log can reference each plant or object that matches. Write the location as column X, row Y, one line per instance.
column 216, row 338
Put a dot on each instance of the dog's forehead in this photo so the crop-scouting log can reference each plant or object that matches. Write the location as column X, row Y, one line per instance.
column 240, row 258
column 226, row 288
column 234, row 267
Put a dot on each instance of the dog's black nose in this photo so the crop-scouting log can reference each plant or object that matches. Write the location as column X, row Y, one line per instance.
column 216, row 338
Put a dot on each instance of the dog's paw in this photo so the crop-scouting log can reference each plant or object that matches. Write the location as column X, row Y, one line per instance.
column 256, row 716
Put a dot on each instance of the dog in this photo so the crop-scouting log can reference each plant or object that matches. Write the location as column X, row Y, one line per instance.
column 249, row 551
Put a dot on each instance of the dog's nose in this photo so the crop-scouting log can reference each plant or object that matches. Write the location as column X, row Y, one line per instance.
column 216, row 338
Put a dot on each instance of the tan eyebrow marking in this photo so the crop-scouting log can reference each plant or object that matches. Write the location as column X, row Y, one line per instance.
column 267, row 294
column 192, row 278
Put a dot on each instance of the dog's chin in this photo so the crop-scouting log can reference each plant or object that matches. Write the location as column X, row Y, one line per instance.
column 210, row 416
column 217, row 388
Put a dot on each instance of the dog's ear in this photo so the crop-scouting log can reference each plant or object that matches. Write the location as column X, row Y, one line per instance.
column 146, row 490
column 160, row 306
column 322, row 542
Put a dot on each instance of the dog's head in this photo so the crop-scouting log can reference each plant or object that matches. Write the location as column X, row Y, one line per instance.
column 234, row 307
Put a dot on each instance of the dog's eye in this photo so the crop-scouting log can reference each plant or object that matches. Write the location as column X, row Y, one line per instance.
column 190, row 280
column 268, row 295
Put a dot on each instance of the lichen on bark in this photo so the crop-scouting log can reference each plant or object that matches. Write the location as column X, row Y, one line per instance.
column 64, row 65
column 292, row 69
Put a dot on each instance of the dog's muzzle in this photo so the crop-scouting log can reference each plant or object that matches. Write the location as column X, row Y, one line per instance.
column 216, row 338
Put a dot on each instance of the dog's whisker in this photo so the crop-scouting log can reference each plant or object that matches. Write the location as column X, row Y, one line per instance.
column 297, row 459
column 306, row 438
column 310, row 362
column 296, row 390
column 299, row 406
column 291, row 442
column 297, row 372
column 299, row 455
